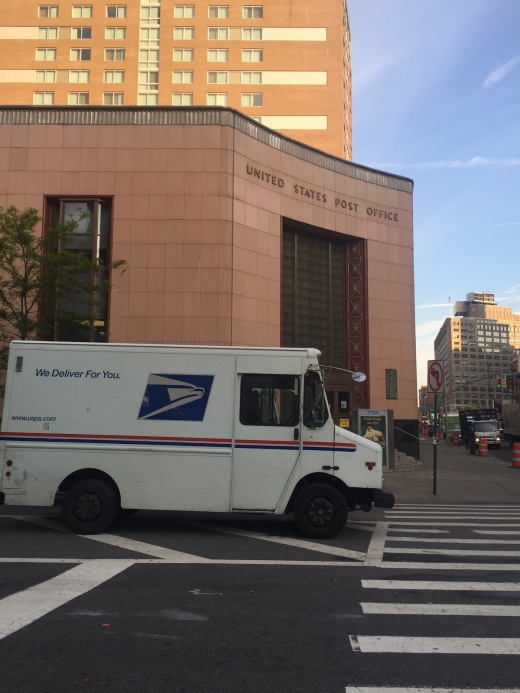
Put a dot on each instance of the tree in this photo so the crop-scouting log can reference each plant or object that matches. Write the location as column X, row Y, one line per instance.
column 46, row 290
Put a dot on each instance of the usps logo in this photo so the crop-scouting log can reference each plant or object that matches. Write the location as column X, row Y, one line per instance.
column 176, row 397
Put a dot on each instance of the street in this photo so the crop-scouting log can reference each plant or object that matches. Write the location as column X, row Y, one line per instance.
column 162, row 602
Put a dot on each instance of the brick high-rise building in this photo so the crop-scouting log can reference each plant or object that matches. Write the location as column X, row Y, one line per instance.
column 283, row 62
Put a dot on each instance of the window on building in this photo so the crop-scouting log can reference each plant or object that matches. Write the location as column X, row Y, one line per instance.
column 251, row 99
column 149, row 81
column 217, row 99
column 182, row 77
column 252, row 12
column 216, row 33
column 218, row 11
column 81, row 32
column 118, row 11
column 115, row 32
column 48, row 11
column 151, row 15
column 217, row 55
column 251, row 78
column 43, row 98
column 184, row 33
column 251, row 34
column 218, row 77
column 80, row 54
column 46, row 54
column 185, row 55
column 113, row 98
column 269, row 400
column 148, row 100
column 184, row 11
column 117, row 54
column 149, row 37
column 82, row 11
column 78, row 98
column 182, row 99
column 149, row 58
column 79, row 75
column 391, row 383
column 114, row 76
column 252, row 56
column 48, row 33
column 45, row 75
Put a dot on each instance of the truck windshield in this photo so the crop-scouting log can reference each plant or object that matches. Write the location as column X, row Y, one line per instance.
column 315, row 410
column 485, row 426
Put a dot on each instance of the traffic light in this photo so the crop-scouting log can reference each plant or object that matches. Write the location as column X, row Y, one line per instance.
column 501, row 384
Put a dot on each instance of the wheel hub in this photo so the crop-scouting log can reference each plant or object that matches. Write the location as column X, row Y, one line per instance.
column 87, row 507
column 320, row 511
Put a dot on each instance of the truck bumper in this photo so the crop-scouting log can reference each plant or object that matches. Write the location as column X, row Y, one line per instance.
column 384, row 499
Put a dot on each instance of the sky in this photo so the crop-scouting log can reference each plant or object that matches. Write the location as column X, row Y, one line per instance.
column 436, row 98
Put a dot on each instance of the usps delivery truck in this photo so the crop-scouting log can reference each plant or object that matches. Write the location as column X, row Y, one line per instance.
column 106, row 428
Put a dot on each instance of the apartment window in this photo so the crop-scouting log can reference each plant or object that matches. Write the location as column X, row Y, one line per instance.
column 80, row 53
column 391, row 383
column 81, row 32
column 252, row 12
column 218, row 11
column 151, row 15
column 149, row 58
column 118, row 11
column 218, row 33
column 82, row 11
column 217, row 99
column 46, row 54
column 251, row 78
column 78, row 98
column 255, row 55
column 184, row 55
column 184, row 33
column 79, row 75
column 48, row 33
column 148, row 81
column 148, row 100
column 115, row 32
column 150, row 37
column 45, row 76
column 43, row 98
column 182, row 99
column 217, row 55
column 48, row 11
column 183, row 77
column 184, row 11
column 218, row 77
column 251, row 99
column 114, row 98
column 114, row 76
column 251, row 34
column 114, row 53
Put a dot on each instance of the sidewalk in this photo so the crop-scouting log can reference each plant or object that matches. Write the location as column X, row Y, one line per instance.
column 461, row 477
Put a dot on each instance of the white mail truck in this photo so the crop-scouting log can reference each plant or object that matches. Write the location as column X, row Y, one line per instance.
column 104, row 428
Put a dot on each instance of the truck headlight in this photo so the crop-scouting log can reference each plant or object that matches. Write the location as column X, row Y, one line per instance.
column 476, row 440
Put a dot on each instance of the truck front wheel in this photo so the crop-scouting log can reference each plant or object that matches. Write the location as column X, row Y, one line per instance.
column 89, row 506
column 320, row 511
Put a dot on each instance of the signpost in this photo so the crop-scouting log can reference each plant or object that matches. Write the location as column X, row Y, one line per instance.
column 435, row 385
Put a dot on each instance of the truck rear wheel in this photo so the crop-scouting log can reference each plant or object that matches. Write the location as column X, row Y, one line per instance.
column 320, row 511
column 89, row 506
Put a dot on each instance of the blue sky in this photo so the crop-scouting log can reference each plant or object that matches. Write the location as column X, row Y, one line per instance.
column 436, row 97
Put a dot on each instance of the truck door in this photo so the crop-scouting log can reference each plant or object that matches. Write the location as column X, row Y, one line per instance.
column 267, row 436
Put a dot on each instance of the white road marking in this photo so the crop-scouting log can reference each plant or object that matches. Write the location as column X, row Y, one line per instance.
column 384, row 689
column 442, row 540
column 20, row 609
column 454, row 524
column 417, row 645
column 354, row 525
column 482, row 531
column 454, row 511
column 418, row 565
column 377, row 545
column 441, row 609
column 459, row 506
column 454, row 552
column 441, row 585
column 450, row 516
column 419, row 531
column 287, row 541
column 119, row 542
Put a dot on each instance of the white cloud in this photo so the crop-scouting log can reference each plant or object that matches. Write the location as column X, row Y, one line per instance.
column 428, row 328
column 499, row 74
column 434, row 305
column 475, row 162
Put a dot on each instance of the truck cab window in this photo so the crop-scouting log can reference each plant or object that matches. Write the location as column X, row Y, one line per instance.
column 315, row 410
column 269, row 400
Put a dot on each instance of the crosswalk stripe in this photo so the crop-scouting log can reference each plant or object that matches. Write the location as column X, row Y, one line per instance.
column 376, row 547
column 484, row 506
column 420, row 531
column 419, row 645
column 484, row 531
column 455, row 524
column 429, row 540
column 441, row 585
column 419, row 565
column 385, row 689
column 453, row 552
column 437, row 511
column 441, row 609
column 450, row 516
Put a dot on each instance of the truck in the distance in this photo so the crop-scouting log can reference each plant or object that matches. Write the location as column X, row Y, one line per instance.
column 476, row 424
column 511, row 421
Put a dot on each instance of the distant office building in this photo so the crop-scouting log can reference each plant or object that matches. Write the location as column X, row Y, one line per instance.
column 284, row 63
column 478, row 345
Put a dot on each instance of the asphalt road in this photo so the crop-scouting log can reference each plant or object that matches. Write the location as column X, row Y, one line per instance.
column 418, row 597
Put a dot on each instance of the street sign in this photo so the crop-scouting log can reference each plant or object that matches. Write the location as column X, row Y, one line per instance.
column 435, row 376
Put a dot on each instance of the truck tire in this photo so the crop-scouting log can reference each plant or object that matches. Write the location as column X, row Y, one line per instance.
column 320, row 511
column 89, row 506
